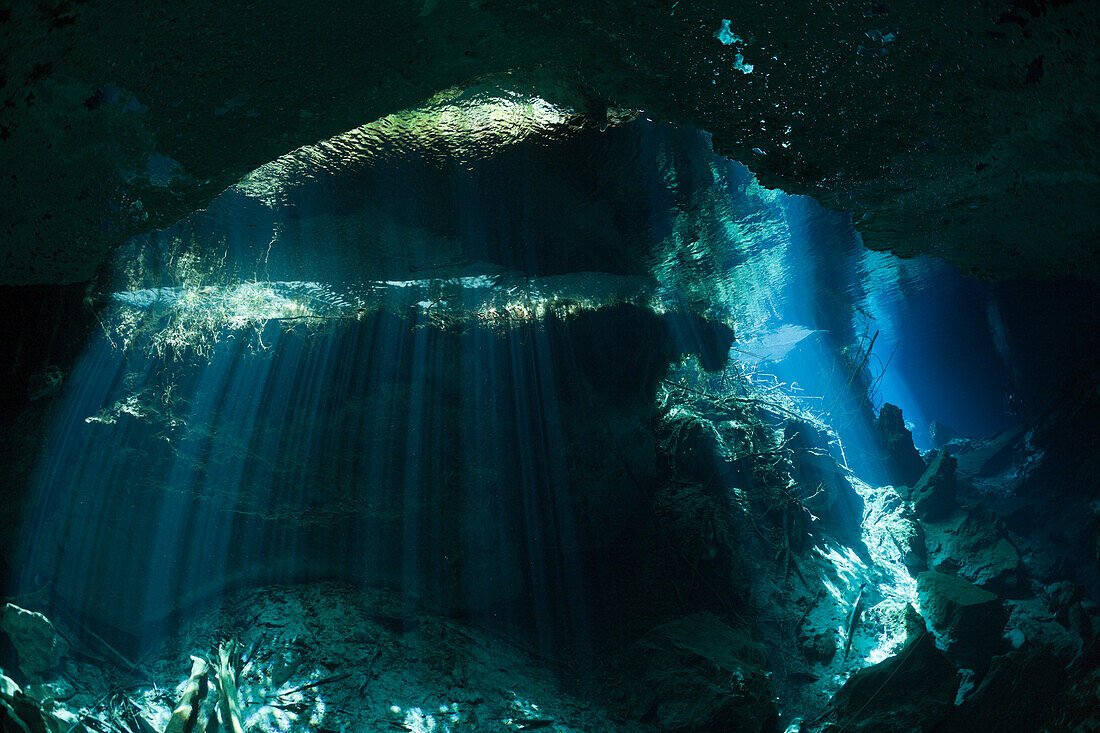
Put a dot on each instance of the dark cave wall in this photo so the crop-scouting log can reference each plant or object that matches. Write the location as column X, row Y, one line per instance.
column 971, row 135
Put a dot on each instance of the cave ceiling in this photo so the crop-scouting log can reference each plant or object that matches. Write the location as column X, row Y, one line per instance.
column 963, row 130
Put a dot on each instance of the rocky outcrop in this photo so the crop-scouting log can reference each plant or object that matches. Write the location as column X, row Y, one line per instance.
column 901, row 461
column 1031, row 627
column 913, row 691
column 967, row 619
column 890, row 520
column 38, row 647
column 955, row 132
column 1062, row 596
column 933, row 495
column 989, row 456
column 18, row 712
column 973, row 543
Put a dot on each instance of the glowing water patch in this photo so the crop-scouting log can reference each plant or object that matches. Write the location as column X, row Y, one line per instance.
column 727, row 37
column 241, row 303
column 180, row 319
column 464, row 124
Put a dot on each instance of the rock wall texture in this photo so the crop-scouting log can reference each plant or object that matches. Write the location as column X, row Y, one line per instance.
column 965, row 130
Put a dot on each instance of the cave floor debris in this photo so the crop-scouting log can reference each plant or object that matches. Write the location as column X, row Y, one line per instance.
column 330, row 656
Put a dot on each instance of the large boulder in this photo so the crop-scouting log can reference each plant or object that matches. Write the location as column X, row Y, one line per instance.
column 933, row 495
column 912, row 691
column 967, row 619
column 973, row 543
column 696, row 673
column 1061, row 596
column 38, row 646
column 989, row 456
column 18, row 713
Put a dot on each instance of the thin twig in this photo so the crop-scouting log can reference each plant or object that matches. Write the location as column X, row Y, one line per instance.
column 322, row 681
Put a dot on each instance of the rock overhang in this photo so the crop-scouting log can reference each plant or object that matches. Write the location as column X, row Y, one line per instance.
column 962, row 131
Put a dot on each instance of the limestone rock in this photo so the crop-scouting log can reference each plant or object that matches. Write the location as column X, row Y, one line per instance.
column 912, row 691
column 902, row 459
column 37, row 644
column 914, row 623
column 967, row 619
column 8, row 686
column 1030, row 626
column 22, row 712
column 973, row 544
column 19, row 713
column 933, row 496
column 990, row 456
column 1061, row 596
column 697, row 673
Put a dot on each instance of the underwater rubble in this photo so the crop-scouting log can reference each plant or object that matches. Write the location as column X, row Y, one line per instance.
column 324, row 656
